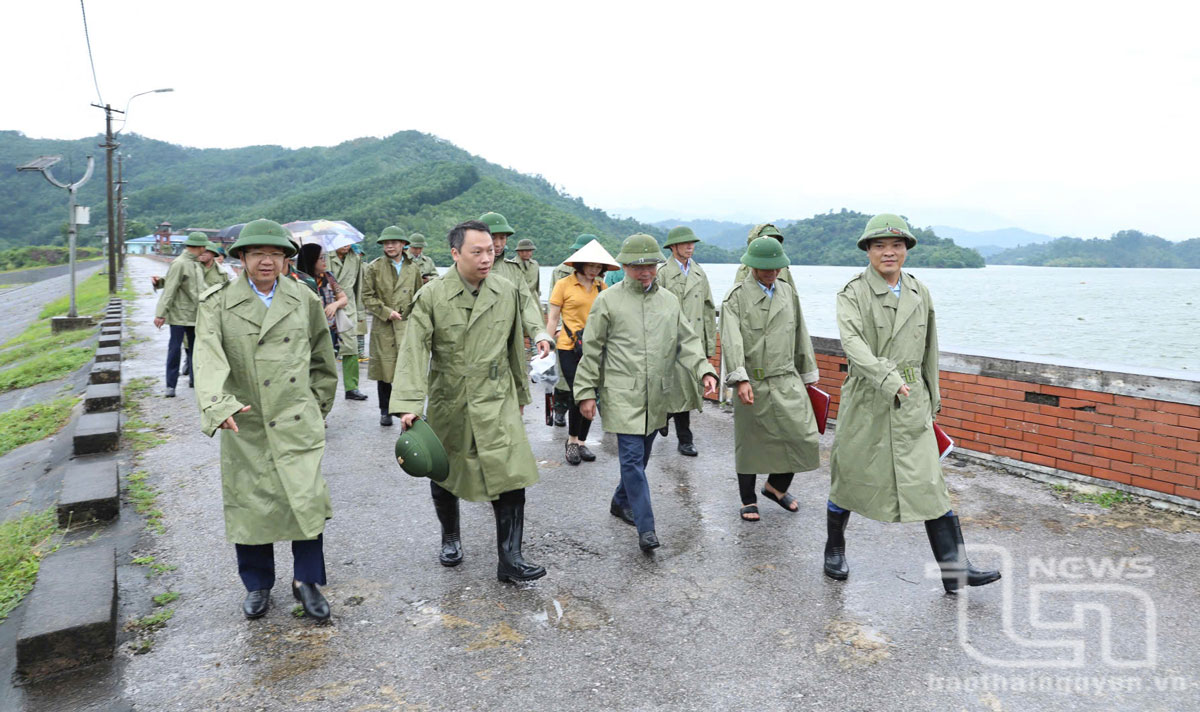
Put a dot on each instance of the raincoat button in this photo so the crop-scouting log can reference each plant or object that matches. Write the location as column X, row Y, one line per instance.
column 267, row 382
column 287, row 339
column 272, row 423
column 214, row 399
column 297, row 417
column 260, row 342
column 292, row 379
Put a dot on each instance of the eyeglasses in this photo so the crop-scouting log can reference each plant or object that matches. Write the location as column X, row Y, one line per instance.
column 264, row 255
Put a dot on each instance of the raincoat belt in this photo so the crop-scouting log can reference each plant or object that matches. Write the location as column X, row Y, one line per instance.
column 762, row 374
column 909, row 371
column 490, row 371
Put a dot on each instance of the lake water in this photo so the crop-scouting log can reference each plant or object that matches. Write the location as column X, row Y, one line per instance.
column 1103, row 318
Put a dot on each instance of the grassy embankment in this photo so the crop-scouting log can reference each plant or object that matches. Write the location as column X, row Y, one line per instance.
column 24, row 541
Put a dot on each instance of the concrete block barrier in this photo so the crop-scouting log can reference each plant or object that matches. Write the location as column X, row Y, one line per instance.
column 107, row 354
column 102, row 398
column 96, row 433
column 90, row 492
column 105, row 372
column 109, row 340
column 71, row 615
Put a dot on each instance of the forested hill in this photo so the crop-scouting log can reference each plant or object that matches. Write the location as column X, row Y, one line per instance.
column 414, row 180
column 1128, row 248
column 832, row 239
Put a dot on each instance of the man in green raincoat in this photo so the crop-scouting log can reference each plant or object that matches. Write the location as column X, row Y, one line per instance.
column 764, row 230
column 509, row 267
column 211, row 270
column 562, row 393
column 416, row 253
column 347, row 268
column 885, row 462
column 177, row 307
column 465, row 352
column 530, row 268
column 389, row 284
column 636, row 332
column 769, row 358
column 685, row 278
column 266, row 378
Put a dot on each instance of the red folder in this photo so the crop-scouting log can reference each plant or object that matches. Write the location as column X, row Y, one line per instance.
column 820, row 406
column 945, row 443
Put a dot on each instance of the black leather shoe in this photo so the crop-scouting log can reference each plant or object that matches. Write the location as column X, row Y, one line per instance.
column 648, row 541
column 585, row 454
column 687, row 449
column 665, row 430
column 510, row 528
column 256, row 603
column 355, row 395
column 625, row 514
column 560, row 419
column 385, row 419
column 191, row 384
column 946, row 540
column 309, row 596
column 573, row 457
column 835, row 545
column 170, row 393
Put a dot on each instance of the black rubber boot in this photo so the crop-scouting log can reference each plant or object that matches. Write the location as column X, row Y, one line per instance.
column 946, row 540
column 836, row 566
column 510, row 527
column 446, row 506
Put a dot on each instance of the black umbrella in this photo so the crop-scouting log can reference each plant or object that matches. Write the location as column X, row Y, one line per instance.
column 231, row 232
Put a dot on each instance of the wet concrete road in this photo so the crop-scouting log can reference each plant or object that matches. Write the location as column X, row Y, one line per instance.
column 22, row 304
column 726, row 615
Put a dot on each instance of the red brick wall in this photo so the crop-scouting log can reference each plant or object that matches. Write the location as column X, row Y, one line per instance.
column 1142, row 442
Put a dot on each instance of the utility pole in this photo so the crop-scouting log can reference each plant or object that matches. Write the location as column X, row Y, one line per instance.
column 43, row 164
column 120, row 212
column 109, row 146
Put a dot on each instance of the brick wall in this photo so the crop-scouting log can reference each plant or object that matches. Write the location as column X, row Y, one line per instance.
column 1138, row 430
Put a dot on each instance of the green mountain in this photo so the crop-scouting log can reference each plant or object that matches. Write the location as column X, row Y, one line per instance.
column 414, row 180
column 1128, row 248
column 832, row 239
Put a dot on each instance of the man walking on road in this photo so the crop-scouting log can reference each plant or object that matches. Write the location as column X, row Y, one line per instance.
column 465, row 351
column 769, row 358
column 885, row 461
column 389, row 285
column 177, row 307
column 635, row 334
column 416, row 252
column 267, row 379
column 684, row 278
column 347, row 269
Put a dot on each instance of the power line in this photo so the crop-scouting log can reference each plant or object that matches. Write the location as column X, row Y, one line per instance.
column 89, row 47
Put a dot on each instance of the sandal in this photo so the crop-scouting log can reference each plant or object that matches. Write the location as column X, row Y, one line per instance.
column 786, row 501
column 749, row 509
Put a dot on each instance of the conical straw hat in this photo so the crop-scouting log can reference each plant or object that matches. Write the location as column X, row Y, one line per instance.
column 595, row 253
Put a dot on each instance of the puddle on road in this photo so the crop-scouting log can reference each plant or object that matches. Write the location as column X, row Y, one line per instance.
column 854, row 645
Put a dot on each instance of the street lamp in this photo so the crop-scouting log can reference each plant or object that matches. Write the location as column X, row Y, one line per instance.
column 109, row 146
column 43, row 164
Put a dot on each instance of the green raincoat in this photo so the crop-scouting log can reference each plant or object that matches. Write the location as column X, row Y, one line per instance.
column 696, row 301
column 426, row 266
column 765, row 341
column 785, row 274
column 467, row 354
column 279, row 361
column 634, row 339
column 212, row 275
column 347, row 272
column 385, row 291
column 510, row 269
column 181, row 291
column 885, row 456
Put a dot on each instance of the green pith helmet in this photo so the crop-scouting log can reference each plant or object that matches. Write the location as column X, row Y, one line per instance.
column 196, row 239
column 765, row 253
column 263, row 233
column 525, row 244
column 213, row 248
column 417, row 240
column 582, row 240
column 886, row 225
column 640, row 249
column 764, row 230
column 421, row 454
column 496, row 223
column 391, row 233
column 679, row 236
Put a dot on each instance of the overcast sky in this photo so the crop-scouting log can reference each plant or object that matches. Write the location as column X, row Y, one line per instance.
column 1062, row 118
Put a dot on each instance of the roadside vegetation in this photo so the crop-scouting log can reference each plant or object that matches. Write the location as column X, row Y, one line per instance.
column 21, row 426
column 24, row 541
column 34, row 256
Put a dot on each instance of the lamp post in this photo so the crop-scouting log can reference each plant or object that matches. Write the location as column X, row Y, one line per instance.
column 109, row 146
column 43, row 164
